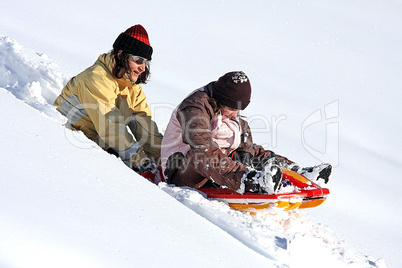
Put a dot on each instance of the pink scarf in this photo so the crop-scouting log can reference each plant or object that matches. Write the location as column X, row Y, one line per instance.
column 226, row 133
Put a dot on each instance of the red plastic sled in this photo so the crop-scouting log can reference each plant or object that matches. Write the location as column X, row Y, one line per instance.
column 304, row 194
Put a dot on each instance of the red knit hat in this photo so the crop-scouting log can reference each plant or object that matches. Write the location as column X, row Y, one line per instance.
column 233, row 90
column 134, row 41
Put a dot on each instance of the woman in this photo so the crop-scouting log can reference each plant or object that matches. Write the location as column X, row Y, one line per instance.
column 107, row 97
column 207, row 143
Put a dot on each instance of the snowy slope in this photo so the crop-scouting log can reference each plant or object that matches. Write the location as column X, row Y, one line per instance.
column 326, row 87
column 63, row 205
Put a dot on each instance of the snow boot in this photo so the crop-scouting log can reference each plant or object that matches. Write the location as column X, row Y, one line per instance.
column 266, row 181
column 317, row 173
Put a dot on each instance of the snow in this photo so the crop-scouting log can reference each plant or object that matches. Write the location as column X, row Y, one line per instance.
column 326, row 88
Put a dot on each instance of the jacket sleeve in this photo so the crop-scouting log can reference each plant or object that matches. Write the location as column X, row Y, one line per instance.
column 194, row 117
column 147, row 134
column 98, row 97
column 139, row 101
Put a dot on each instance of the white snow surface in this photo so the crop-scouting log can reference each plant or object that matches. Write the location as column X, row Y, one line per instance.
column 326, row 88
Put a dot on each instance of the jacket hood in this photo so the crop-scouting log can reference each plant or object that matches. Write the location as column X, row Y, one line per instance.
column 107, row 60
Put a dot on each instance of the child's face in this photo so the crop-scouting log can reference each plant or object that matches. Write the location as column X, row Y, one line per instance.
column 229, row 113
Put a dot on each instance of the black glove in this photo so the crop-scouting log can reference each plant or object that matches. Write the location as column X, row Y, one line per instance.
column 243, row 157
column 148, row 165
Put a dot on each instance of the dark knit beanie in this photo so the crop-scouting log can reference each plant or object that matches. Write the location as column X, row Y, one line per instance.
column 233, row 90
column 135, row 42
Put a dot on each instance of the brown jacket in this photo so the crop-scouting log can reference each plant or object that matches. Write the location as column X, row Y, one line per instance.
column 204, row 160
column 195, row 115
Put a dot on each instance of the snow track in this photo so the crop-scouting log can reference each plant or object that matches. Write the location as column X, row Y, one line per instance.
column 289, row 237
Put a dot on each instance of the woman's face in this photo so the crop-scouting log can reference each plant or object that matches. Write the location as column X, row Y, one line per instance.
column 229, row 113
column 134, row 69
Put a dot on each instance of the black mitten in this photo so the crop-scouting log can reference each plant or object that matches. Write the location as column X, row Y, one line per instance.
column 243, row 157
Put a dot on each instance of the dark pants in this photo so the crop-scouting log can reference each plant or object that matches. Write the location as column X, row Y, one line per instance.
column 200, row 168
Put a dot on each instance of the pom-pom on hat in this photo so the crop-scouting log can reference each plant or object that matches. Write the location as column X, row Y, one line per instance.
column 134, row 41
column 233, row 90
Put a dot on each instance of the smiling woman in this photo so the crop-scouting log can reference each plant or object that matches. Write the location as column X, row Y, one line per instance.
column 134, row 68
column 106, row 98
column 131, row 50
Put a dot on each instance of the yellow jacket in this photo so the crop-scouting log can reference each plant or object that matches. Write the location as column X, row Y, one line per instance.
column 101, row 106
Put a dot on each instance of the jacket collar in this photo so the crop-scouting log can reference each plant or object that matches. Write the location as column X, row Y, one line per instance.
column 109, row 62
column 209, row 89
